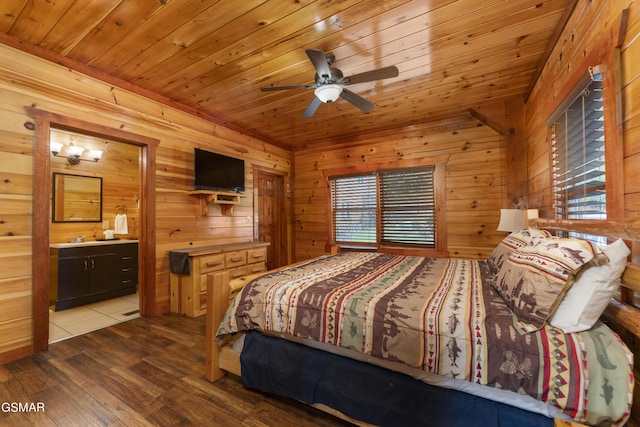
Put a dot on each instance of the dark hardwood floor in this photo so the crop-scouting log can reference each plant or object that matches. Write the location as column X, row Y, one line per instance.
column 144, row 372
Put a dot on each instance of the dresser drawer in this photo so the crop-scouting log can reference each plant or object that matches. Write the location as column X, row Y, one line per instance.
column 234, row 273
column 211, row 263
column 203, row 283
column 256, row 255
column 256, row 268
column 235, row 258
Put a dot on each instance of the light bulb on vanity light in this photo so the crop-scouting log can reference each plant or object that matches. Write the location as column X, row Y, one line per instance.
column 95, row 154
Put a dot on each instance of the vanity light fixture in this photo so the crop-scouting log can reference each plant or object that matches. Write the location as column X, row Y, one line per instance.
column 74, row 153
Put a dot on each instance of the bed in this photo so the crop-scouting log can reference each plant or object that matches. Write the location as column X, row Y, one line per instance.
column 485, row 342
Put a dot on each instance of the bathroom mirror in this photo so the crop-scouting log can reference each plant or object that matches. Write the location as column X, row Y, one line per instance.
column 76, row 198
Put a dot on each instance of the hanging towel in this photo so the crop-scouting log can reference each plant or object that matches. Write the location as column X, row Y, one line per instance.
column 120, row 226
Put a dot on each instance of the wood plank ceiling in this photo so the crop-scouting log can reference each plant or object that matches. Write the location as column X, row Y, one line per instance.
column 214, row 57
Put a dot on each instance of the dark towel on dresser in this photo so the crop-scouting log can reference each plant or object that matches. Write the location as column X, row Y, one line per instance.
column 179, row 262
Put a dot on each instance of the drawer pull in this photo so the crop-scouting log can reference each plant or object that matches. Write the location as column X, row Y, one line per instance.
column 237, row 274
column 257, row 255
column 124, row 270
column 236, row 259
column 127, row 257
column 127, row 281
column 213, row 264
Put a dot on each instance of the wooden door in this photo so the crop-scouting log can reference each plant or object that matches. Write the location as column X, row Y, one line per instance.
column 271, row 219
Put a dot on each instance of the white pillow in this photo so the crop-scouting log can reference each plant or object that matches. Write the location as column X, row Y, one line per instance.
column 590, row 294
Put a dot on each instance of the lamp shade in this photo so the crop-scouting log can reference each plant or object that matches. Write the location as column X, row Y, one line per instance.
column 55, row 147
column 328, row 93
column 95, row 154
column 75, row 150
column 516, row 219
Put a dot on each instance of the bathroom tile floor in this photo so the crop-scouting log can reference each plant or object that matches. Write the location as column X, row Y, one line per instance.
column 80, row 320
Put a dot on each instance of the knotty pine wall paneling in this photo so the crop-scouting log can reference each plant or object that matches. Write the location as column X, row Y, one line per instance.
column 475, row 181
column 26, row 80
column 594, row 35
column 591, row 37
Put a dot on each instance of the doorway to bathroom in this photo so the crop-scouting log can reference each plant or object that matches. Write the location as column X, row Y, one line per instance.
column 44, row 122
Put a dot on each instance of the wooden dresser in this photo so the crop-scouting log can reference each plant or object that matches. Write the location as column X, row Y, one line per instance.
column 189, row 268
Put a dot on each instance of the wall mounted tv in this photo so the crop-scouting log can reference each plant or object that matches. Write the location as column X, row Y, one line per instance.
column 213, row 171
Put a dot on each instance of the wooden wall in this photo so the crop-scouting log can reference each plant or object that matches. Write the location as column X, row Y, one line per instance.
column 475, row 181
column 596, row 33
column 593, row 36
column 28, row 81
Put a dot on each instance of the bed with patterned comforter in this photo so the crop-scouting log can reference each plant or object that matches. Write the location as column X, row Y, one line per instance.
column 442, row 316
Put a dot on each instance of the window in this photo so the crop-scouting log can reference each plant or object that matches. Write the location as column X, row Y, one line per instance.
column 577, row 139
column 354, row 209
column 407, row 207
column 578, row 157
column 386, row 207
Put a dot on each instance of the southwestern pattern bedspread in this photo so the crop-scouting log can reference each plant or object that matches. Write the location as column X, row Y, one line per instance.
column 442, row 316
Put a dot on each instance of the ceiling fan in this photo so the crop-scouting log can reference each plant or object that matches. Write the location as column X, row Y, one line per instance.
column 330, row 82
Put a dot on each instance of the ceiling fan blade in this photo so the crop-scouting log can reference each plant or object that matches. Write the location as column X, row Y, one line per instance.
column 367, row 76
column 357, row 100
column 311, row 109
column 270, row 88
column 319, row 61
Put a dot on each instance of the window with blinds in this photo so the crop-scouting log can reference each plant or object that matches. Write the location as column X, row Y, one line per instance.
column 386, row 207
column 407, row 207
column 354, row 208
column 578, row 157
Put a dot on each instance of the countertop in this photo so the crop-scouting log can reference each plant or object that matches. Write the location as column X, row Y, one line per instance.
column 92, row 243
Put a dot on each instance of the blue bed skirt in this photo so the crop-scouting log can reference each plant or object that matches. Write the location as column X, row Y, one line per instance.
column 365, row 392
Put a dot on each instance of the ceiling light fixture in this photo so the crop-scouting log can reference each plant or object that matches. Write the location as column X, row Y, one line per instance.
column 74, row 153
column 328, row 93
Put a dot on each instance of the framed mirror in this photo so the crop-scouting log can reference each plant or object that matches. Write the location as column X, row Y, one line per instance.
column 76, row 198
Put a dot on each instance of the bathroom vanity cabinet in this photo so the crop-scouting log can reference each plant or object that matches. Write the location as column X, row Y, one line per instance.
column 82, row 273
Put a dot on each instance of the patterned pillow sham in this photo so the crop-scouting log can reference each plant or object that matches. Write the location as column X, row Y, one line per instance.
column 533, row 280
column 513, row 242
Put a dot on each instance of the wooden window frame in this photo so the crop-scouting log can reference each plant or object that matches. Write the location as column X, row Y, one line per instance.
column 439, row 164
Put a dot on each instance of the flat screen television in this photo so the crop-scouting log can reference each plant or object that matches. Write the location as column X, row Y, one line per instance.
column 213, row 171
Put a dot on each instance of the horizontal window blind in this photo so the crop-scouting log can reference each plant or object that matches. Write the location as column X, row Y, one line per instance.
column 354, row 208
column 407, row 207
column 578, row 157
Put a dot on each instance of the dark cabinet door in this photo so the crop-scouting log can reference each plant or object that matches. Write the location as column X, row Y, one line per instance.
column 73, row 277
column 102, row 272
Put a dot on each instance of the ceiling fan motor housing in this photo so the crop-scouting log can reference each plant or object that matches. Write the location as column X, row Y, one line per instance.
column 335, row 77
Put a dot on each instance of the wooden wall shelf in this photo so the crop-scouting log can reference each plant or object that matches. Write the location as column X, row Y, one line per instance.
column 226, row 200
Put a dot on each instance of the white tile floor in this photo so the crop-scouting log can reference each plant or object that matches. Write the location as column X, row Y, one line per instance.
column 80, row 320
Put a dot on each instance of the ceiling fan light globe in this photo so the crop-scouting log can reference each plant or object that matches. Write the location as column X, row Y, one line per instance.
column 328, row 93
